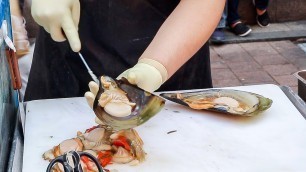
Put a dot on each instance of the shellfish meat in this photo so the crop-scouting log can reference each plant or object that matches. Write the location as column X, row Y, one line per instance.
column 108, row 146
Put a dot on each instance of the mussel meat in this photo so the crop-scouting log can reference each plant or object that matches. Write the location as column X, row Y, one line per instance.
column 222, row 100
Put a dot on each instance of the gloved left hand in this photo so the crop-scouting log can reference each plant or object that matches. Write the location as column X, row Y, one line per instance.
column 90, row 97
column 92, row 93
column 147, row 74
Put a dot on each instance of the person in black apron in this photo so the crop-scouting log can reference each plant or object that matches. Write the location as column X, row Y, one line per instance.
column 114, row 34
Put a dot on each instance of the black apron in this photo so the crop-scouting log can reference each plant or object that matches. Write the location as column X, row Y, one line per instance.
column 114, row 34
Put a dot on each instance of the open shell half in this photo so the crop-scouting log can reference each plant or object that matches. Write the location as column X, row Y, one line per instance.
column 222, row 100
column 144, row 105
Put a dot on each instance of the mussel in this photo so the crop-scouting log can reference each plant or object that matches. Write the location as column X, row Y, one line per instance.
column 222, row 100
column 130, row 107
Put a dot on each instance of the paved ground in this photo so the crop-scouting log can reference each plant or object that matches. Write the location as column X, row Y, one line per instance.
column 257, row 63
column 275, row 32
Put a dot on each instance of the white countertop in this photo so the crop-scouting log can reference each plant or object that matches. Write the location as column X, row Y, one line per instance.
column 204, row 141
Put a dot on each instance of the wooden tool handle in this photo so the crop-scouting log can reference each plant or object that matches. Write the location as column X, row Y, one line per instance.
column 14, row 68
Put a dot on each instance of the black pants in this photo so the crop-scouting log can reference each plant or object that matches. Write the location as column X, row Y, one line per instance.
column 233, row 15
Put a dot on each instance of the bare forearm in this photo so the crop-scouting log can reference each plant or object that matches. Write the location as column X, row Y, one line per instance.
column 184, row 32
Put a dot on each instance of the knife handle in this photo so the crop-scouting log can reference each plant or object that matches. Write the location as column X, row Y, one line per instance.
column 14, row 68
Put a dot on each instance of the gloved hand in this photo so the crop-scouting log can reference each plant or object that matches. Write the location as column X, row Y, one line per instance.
column 90, row 97
column 57, row 16
column 147, row 74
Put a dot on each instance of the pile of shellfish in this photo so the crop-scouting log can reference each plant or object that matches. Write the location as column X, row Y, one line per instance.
column 123, row 147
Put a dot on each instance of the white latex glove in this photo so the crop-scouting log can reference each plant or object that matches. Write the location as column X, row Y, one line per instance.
column 147, row 74
column 57, row 16
column 90, row 97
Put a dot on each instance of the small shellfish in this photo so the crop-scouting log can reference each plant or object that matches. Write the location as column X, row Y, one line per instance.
column 74, row 144
column 222, row 100
column 122, row 156
column 96, row 138
column 134, row 141
column 122, row 105
column 124, row 146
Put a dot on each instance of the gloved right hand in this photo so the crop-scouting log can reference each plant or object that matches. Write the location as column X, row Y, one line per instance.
column 57, row 16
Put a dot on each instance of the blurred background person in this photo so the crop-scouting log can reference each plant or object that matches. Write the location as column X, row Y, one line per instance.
column 20, row 36
column 262, row 16
column 24, row 50
column 218, row 35
column 237, row 26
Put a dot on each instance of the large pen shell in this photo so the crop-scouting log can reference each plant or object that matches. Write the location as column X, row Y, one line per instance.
column 222, row 100
column 147, row 105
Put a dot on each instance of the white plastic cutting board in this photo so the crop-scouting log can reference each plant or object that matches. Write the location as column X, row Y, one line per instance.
column 273, row 141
